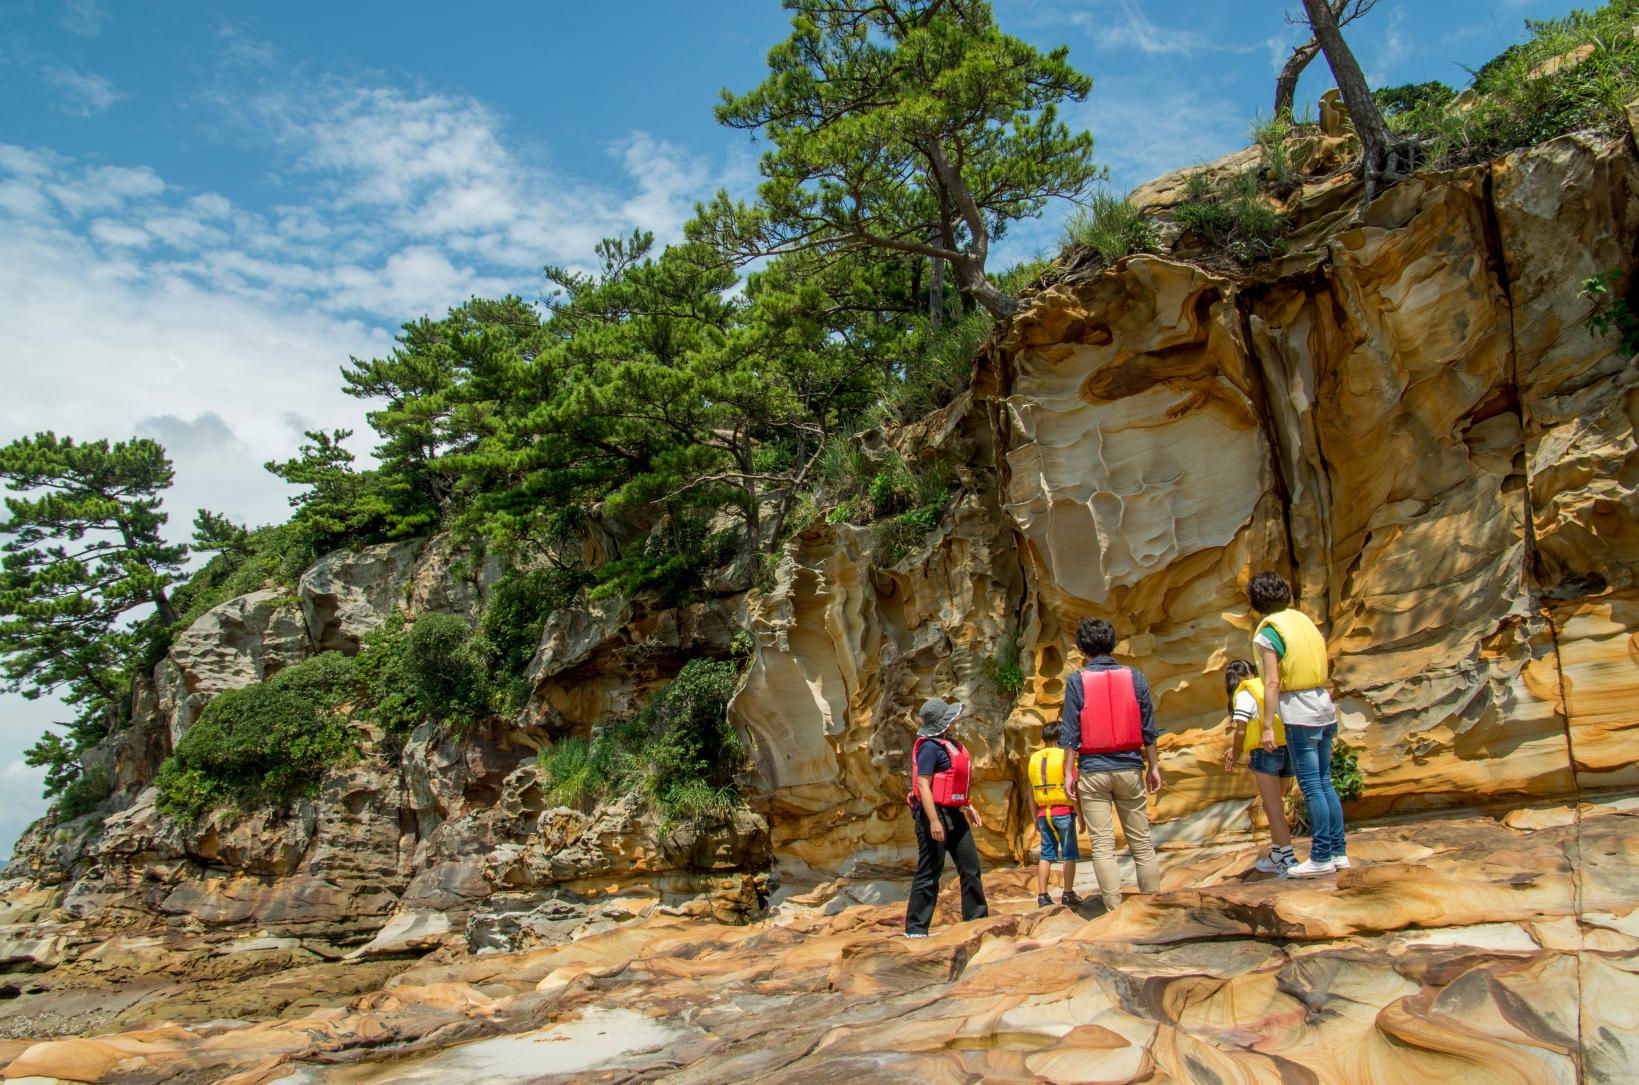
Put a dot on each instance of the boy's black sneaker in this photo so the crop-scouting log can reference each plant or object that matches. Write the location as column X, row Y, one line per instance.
column 1043, row 900
column 1071, row 899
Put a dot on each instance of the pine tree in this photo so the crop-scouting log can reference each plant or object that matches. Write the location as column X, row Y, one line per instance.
column 914, row 126
column 83, row 551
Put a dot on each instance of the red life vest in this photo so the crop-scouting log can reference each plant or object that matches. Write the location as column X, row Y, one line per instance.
column 949, row 787
column 1110, row 718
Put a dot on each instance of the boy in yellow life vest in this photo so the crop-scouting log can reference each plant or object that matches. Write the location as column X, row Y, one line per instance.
column 1052, row 781
column 1291, row 659
column 1272, row 771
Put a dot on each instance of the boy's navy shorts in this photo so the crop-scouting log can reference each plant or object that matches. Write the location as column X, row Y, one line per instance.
column 1058, row 838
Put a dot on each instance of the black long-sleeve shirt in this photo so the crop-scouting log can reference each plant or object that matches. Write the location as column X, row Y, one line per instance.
column 1070, row 721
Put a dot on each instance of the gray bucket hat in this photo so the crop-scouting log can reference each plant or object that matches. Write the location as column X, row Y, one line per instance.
column 937, row 716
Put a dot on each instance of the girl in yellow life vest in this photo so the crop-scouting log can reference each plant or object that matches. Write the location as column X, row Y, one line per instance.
column 1052, row 781
column 1272, row 771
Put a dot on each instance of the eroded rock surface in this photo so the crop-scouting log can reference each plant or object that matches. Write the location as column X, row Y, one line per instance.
column 1460, row 950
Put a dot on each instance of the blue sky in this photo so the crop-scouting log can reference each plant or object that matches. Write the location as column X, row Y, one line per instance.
column 206, row 208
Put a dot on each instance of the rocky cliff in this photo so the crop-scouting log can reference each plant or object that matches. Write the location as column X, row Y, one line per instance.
column 1405, row 412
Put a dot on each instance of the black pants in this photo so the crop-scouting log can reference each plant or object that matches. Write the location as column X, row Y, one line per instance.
column 930, row 864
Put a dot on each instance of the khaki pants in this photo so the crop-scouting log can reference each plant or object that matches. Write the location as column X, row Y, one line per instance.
column 1097, row 792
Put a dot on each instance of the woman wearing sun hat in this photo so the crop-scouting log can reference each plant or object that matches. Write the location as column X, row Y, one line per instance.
column 941, row 773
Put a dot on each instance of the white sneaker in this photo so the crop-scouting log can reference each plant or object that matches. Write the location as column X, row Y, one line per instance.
column 1340, row 862
column 1309, row 869
column 1270, row 864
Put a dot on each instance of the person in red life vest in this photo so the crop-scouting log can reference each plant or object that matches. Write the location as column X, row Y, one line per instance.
column 1108, row 725
column 941, row 774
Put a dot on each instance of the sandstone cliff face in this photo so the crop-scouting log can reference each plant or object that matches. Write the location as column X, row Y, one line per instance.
column 1405, row 413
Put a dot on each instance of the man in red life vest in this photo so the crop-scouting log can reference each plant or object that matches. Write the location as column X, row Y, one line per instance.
column 1108, row 728
column 941, row 774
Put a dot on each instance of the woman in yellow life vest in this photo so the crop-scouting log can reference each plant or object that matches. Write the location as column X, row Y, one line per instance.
column 1291, row 656
column 1052, row 782
column 1272, row 771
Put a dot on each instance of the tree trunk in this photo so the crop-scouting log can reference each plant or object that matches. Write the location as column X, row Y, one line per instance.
column 1286, row 85
column 162, row 603
column 985, row 293
column 1376, row 162
column 936, row 295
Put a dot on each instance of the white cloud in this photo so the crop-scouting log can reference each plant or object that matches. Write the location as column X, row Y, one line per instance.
column 1142, row 133
column 119, row 234
column 1396, row 48
column 84, row 94
column 1130, row 28
column 82, row 17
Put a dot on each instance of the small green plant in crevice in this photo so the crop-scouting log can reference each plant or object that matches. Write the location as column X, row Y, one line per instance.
column 1274, row 139
column 679, row 755
column 1235, row 220
column 898, row 535
column 265, row 744
column 1111, row 227
column 1003, row 666
column 1611, row 310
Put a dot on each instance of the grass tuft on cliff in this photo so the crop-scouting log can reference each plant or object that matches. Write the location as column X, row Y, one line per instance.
column 679, row 755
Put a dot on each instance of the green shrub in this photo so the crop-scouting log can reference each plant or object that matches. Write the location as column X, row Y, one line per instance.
column 87, row 791
column 669, row 565
column 679, row 755
column 1346, row 775
column 937, row 370
column 1111, row 227
column 447, row 677
column 433, row 668
column 265, row 744
column 519, row 605
column 901, row 534
column 1406, row 97
column 272, row 557
column 1235, row 221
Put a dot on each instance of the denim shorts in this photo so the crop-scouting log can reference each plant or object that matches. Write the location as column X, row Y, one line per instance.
column 1058, row 841
column 1278, row 763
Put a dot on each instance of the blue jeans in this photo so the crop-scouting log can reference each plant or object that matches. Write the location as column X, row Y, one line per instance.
column 1311, row 750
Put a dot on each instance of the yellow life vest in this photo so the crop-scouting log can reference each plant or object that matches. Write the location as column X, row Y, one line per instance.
column 1254, row 726
column 1304, row 664
column 1046, row 773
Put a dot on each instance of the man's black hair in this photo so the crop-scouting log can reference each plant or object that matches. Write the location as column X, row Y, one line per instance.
column 1269, row 592
column 1095, row 637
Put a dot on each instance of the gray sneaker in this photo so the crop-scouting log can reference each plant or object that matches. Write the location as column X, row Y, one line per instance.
column 1272, row 863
